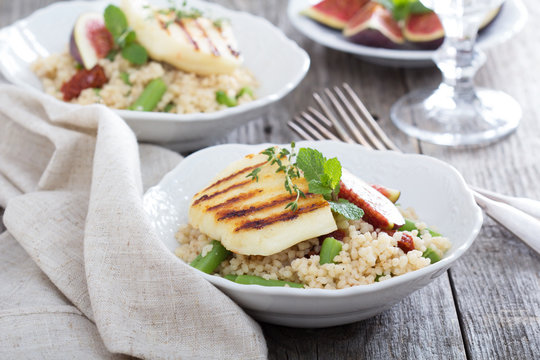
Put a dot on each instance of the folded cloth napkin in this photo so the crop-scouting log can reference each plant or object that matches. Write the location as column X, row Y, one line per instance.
column 93, row 280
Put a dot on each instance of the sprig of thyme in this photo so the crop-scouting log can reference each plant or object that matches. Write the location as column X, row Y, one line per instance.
column 290, row 169
column 323, row 176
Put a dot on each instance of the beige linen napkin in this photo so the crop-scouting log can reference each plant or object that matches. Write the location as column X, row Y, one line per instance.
column 93, row 280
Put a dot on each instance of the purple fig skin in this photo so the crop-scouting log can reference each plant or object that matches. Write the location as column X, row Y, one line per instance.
column 429, row 45
column 374, row 38
column 74, row 50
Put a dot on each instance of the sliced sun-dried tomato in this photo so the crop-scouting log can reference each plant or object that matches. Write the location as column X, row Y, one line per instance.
column 406, row 243
column 83, row 79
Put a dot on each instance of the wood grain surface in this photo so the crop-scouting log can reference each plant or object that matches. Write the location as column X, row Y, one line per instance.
column 487, row 306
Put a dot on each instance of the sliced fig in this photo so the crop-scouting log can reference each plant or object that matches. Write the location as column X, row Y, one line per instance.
column 334, row 13
column 373, row 25
column 391, row 194
column 490, row 17
column 424, row 30
column 378, row 210
column 90, row 40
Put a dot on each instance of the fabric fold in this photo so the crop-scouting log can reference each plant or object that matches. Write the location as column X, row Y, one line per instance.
column 83, row 224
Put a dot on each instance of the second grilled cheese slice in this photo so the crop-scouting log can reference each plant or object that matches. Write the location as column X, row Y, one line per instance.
column 195, row 44
column 249, row 217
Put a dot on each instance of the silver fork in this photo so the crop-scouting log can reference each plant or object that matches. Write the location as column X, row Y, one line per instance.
column 351, row 122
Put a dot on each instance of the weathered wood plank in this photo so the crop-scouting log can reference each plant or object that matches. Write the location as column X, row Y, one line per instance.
column 422, row 326
column 497, row 282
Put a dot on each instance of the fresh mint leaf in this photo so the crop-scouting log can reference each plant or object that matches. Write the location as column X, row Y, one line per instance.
column 115, row 21
column 111, row 54
column 125, row 78
column 332, row 169
column 135, row 54
column 347, row 209
column 316, row 187
column 127, row 38
column 418, row 8
column 311, row 162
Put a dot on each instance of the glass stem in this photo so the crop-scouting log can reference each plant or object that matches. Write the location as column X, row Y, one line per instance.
column 458, row 59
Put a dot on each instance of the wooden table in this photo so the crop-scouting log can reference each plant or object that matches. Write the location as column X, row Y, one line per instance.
column 487, row 305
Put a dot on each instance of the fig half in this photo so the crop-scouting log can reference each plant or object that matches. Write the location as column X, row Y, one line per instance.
column 90, row 40
column 373, row 25
column 424, row 30
column 379, row 211
column 334, row 13
column 490, row 17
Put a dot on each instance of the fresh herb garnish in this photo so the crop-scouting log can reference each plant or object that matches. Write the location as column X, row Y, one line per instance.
column 323, row 177
column 401, row 9
column 124, row 37
column 125, row 78
column 290, row 169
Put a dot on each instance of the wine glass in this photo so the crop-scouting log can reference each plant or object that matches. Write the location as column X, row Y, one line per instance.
column 456, row 113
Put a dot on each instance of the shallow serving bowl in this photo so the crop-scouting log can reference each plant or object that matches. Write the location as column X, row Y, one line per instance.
column 436, row 190
column 276, row 61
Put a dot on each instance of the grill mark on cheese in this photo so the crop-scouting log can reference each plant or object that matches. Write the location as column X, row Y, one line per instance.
column 211, row 44
column 233, row 175
column 206, row 197
column 271, row 203
column 188, row 34
column 286, row 215
column 235, row 199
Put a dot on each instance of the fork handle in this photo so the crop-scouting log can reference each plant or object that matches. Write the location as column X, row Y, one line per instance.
column 529, row 206
column 521, row 224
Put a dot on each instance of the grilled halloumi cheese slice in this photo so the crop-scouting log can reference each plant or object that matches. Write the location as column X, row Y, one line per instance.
column 195, row 44
column 249, row 217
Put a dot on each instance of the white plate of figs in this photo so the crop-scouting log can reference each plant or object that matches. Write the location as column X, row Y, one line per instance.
column 383, row 49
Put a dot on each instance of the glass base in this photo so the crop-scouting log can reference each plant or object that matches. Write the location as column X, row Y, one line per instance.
column 438, row 117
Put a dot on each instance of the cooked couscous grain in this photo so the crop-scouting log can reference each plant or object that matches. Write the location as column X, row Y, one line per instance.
column 367, row 255
column 187, row 92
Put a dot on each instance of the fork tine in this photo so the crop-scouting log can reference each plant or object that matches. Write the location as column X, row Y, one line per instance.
column 341, row 132
column 363, row 126
column 309, row 128
column 367, row 116
column 359, row 137
column 320, row 116
column 327, row 134
column 300, row 131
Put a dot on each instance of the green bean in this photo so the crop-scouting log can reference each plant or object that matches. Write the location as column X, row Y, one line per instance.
column 257, row 280
column 410, row 226
column 223, row 99
column 196, row 260
column 244, row 90
column 168, row 107
column 149, row 98
column 212, row 259
column 329, row 249
column 432, row 255
column 231, row 277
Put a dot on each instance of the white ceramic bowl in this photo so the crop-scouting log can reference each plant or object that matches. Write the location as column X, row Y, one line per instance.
column 277, row 63
column 436, row 190
column 510, row 21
